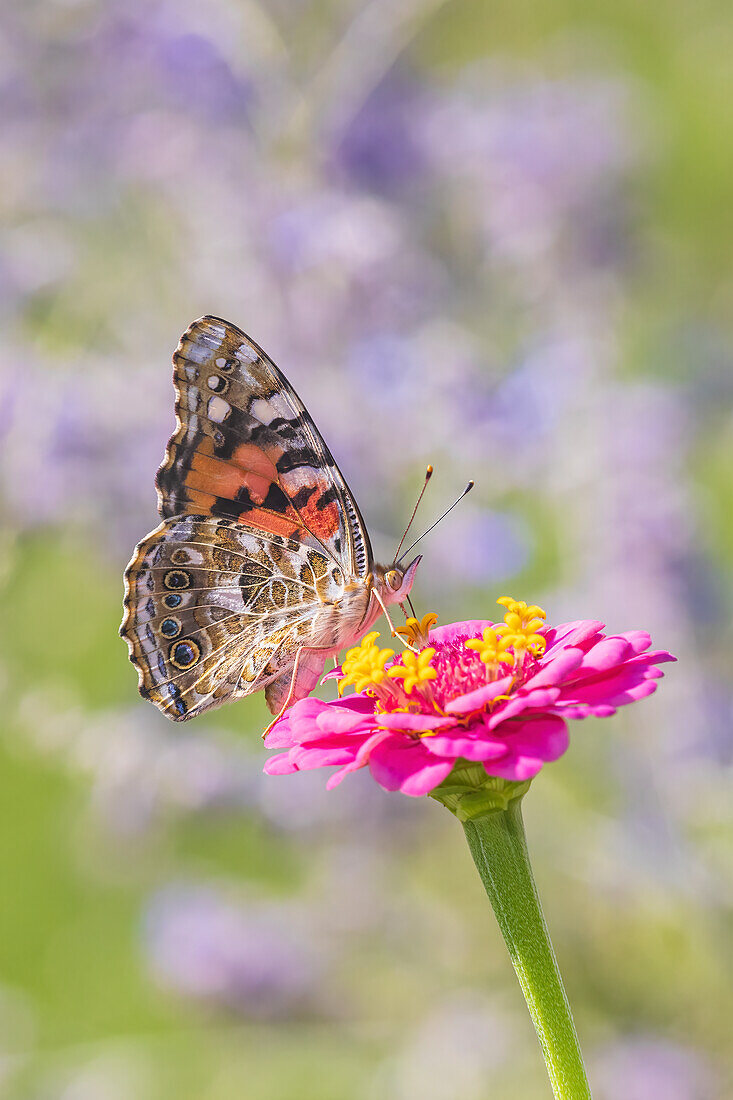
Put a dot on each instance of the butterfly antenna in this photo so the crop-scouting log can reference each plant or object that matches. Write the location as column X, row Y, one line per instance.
column 468, row 489
column 428, row 475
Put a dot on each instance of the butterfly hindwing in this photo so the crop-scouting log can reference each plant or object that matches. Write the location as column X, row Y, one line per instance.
column 246, row 449
column 215, row 610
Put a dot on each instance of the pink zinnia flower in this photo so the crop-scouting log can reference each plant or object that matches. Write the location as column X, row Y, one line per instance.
column 496, row 695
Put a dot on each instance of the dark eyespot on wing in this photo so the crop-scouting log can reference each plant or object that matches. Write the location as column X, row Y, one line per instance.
column 178, row 703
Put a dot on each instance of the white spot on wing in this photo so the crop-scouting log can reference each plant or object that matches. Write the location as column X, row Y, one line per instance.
column 263, row 411
column 197, row 353
column 218, row 409
column 246, row 354
column 281, row 406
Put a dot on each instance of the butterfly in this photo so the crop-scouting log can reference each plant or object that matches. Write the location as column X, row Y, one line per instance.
column 262, row 566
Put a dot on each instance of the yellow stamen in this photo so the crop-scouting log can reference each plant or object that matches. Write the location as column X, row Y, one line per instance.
column 522, row 623
column 415, row 669
column 363, row 666
column 492, row 648
column 416, row 631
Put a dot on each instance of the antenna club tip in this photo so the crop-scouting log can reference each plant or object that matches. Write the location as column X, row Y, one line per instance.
column 470, row 486
column 429, row 471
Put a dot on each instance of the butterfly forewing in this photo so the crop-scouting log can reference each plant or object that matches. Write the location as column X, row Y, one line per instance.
column 245, row 448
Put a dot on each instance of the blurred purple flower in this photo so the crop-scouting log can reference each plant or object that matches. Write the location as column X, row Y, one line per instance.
column 345, row 231
column 534, row 153
column 256, row 958
column 379, row 147
column 477, row 548
column 641, row 1068
column 77, row 446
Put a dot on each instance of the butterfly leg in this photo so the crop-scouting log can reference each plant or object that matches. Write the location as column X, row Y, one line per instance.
column 395, row 633
column 289, row 698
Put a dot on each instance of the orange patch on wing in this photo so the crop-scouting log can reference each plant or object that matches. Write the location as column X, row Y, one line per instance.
column 271, row 522
column 199, row 502
column 252, row 458
column 225, row 479
column 323, row 522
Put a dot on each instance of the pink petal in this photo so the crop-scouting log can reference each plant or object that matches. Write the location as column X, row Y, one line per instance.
column 371, row 742
column 339, row 776
column 346, row 720
column 473, row 628
column 607, row 654
column 423, row 782
column 472, row 748
column 604, row 688
column 280, row 736
column 325, row 757
column 658, row 656
column 557, row 669
column 518, row 768
column 544, row 738
column 639, row 640
column 572, row 634
column 600, row 710
column 639, row 691
column 402, row 720
column 335, row 674
column 401, row 765
column 279, row 765
column 474, row 700
column 538, row 699
column 358, row 761
column 312, row 718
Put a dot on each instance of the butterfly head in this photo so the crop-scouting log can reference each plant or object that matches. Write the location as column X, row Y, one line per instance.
column 394, row 582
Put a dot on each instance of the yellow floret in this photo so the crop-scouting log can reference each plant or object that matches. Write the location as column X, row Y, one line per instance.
column 415, row 669
column 522, row 623
column 364, row 664
column 492, row 647
column 416, row 631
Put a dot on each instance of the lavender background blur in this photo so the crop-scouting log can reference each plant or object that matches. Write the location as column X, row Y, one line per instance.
column 491, row 237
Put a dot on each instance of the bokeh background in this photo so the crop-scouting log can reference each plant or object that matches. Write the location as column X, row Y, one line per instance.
column 494, row 237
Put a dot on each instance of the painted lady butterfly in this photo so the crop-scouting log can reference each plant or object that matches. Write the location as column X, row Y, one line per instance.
column 262, row 566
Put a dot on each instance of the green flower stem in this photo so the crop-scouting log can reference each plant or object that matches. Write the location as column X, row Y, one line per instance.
column 499, row 848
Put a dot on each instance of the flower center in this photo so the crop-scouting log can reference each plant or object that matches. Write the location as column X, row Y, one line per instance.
column 428, row 675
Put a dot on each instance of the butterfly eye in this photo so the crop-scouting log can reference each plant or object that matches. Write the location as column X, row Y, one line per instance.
column 393, row 578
